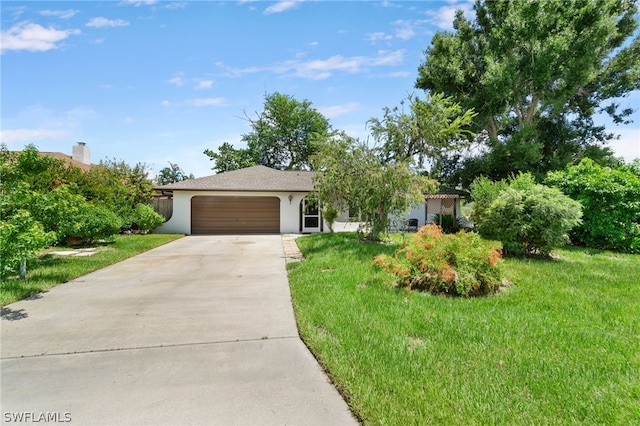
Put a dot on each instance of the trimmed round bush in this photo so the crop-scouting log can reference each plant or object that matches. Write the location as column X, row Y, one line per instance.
column 145, row 218
column 94, row 223
column 526, row 217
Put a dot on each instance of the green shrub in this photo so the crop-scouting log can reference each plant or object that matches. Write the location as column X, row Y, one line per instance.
column 145, row 218
column 611, row 201
column 330, row 213
column 21, row 238
column 57, row 209
column 527, row 218
column 457, row 264
column 94, row 223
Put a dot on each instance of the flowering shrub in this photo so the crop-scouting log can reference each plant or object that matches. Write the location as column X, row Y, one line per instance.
column 461, row 264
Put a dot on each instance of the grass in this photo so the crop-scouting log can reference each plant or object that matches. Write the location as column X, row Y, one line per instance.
column 49, row 270
column 560, row 346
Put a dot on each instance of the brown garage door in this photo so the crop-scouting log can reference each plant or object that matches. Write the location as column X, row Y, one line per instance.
column 235, row 215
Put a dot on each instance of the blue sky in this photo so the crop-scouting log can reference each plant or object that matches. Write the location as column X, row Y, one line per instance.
column 159, row 81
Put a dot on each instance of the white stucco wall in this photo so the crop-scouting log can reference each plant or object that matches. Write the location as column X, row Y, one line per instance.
column 426, row 215
column 180, row 221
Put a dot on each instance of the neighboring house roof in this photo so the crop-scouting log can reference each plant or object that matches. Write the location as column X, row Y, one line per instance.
column 256, row 178
column 68, row 159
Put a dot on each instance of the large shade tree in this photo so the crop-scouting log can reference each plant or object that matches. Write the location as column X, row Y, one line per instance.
column 537, row 72
column 284, row 136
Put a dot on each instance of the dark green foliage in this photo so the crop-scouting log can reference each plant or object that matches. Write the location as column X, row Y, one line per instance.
column 611, row 201
column 69, row 202
column 284, row 136
column 537, row 73
column 146, row 219
column 353, row 177
column 119, row 187
column 447, row 222
column 21, row 238
column 458, row 265
column 527, row 218
column 172, row 174
column 427, row 131
column 94, row 223
column 330, row 213
column 40, row 172
column 229, row 158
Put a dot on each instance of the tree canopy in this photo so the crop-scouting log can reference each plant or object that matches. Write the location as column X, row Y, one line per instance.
column 284, row 136
column 45, row 200
column 426, row 132
column 353, row 177
column 172, row 174
column 537, row 72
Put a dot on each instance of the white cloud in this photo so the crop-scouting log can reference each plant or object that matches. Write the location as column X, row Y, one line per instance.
column 138, row 3
column 404, row 29
column 63, row 14
column 443, row 17
column 101, row 22
column 204, row 84
column 320, row 69
column 165, row 103
column 33, row 37
column 30, row 135
column 323, row 68
column 176, row 5
column 178, row 80
column 389, row 4
column 238, row 72
column 379, row 36
column 338, row 110
column 128, row 120
column 201, row 102
column 281, row 6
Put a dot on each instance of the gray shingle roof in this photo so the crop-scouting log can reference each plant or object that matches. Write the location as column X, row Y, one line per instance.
column 256, row 178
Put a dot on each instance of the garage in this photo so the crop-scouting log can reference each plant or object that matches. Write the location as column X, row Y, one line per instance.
column 235, row 215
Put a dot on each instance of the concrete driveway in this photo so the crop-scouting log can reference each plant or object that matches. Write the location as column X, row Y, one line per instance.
column 199, row 331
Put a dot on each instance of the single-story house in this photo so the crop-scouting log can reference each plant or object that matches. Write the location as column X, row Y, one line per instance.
column 262, row 200
column 253, row 200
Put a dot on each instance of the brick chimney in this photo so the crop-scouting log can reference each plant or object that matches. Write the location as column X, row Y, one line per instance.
column 81, row 153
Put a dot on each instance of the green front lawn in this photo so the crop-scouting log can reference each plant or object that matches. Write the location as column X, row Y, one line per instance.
column 49, row 270
column 561, row 345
